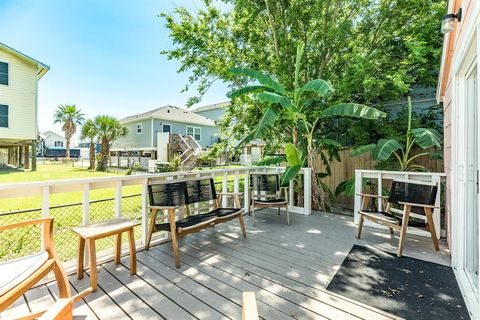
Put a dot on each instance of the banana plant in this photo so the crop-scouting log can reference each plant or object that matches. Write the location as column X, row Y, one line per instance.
column 291, row 109
column 384, row 149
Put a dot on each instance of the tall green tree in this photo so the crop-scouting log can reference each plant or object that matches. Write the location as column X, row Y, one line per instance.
column 70, row 117
column 109, row 129
column 90, row 133
column 281, row 107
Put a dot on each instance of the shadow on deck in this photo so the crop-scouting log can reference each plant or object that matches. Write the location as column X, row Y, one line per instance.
column 288, row 267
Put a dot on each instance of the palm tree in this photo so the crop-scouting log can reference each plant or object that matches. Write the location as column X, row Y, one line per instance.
column 90, row 133
column 289, row 109
column 109, row 129
column 70, row 117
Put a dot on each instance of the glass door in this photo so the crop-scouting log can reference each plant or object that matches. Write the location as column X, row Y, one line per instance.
column 472, row 187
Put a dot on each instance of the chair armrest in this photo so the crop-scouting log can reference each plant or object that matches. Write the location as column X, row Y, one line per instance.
column 411, row 204
column 26, row 223
column 230, row 193
column 371, row 195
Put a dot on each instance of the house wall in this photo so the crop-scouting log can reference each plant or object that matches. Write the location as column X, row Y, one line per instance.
column 144, row 140
column 21, row 97
column 214, row 114
column 50, row 140
column 208, row 134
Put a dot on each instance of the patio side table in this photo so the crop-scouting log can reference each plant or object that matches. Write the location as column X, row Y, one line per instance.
column 92, row 232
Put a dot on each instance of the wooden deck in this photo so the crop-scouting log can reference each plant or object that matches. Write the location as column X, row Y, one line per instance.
column 288, row 267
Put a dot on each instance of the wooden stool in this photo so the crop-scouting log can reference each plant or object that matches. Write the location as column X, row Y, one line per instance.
column 90, row 233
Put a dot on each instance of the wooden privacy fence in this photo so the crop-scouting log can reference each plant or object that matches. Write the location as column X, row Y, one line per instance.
column 345, row 169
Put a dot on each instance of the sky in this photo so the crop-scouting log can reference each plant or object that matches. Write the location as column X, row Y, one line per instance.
column 104, row 55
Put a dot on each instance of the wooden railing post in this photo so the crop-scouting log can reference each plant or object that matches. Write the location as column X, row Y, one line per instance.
column 246, row 191
column 144, row 212
column 307, row 191
column 224, row 188
column 45, row 208
column 118, row 199
column 357, row 199
column 86, row 204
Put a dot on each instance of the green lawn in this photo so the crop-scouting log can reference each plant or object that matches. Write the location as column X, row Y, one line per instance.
column 49, row 172
column 20, row 242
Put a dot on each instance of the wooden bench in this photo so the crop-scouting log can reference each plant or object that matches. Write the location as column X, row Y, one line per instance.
column 92, row 232
column 178, row 196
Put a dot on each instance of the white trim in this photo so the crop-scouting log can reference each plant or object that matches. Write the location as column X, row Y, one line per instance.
column 468, row 54
column 8, row 74
column 8, row 115
column 167, row 124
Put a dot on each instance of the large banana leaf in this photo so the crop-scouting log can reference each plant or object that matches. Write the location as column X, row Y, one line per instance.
column 273, row 98
column 384, row 149
column 321, row 87
column 260, row 77
column 353, row 110
column 249, row 137
column 247, row 89
column 427, row 138
column 271, row 161
column 290, row 173
column 362, row 149
column 293, row 155
column 268, row 119
column 328, row 142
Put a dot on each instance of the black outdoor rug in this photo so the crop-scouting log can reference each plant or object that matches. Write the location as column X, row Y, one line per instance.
column 406, row 287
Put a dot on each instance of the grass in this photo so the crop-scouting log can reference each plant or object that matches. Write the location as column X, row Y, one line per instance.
column 25, row 241
column 49, row 172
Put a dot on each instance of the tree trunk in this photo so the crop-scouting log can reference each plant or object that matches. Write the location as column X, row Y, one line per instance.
column 105, row 149
column 67, row 152
column 92, row 156
column 318, row 194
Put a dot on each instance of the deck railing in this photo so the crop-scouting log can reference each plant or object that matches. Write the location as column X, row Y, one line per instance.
column 76, row 202
column 382, row 176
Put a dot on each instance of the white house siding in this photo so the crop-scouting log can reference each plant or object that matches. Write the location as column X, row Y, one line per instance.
column 20, row 95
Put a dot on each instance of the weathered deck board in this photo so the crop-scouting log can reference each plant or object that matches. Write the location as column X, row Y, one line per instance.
column 288, row 267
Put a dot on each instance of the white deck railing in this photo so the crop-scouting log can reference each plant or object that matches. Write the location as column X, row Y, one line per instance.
column 45, row 189
column 381, row 175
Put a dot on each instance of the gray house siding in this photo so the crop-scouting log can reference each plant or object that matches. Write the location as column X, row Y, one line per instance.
column 215, row 114
column 209, row 135
column 134, row 139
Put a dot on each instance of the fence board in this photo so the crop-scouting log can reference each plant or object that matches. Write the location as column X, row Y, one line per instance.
column 345, row 169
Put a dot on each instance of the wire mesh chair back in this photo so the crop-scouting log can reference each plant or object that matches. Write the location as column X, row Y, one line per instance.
column 171, row 194
column 268, row 183
column 200, row 190
column 406, row 191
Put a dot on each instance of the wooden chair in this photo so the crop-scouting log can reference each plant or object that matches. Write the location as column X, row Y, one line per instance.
column 265, row 192
column 408, row 195
column 172, row 195
column 19, row 275
column 249, row 306
column 62, row 309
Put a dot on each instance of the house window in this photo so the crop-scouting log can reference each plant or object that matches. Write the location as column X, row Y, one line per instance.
column 167, row 128
column 4, row 73
column 3, row 116
column 139, row 128
column 59, row 144
column 195, row 132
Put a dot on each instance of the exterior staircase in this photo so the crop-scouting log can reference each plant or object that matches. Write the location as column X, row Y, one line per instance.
column 190, row 150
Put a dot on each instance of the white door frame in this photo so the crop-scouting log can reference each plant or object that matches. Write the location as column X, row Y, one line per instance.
column 467, row 56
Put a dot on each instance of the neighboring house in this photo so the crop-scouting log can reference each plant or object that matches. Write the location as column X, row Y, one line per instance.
column 53, row 139
column 213, row 111
column 153, row 133
column 19, row 75
column 458, row 89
